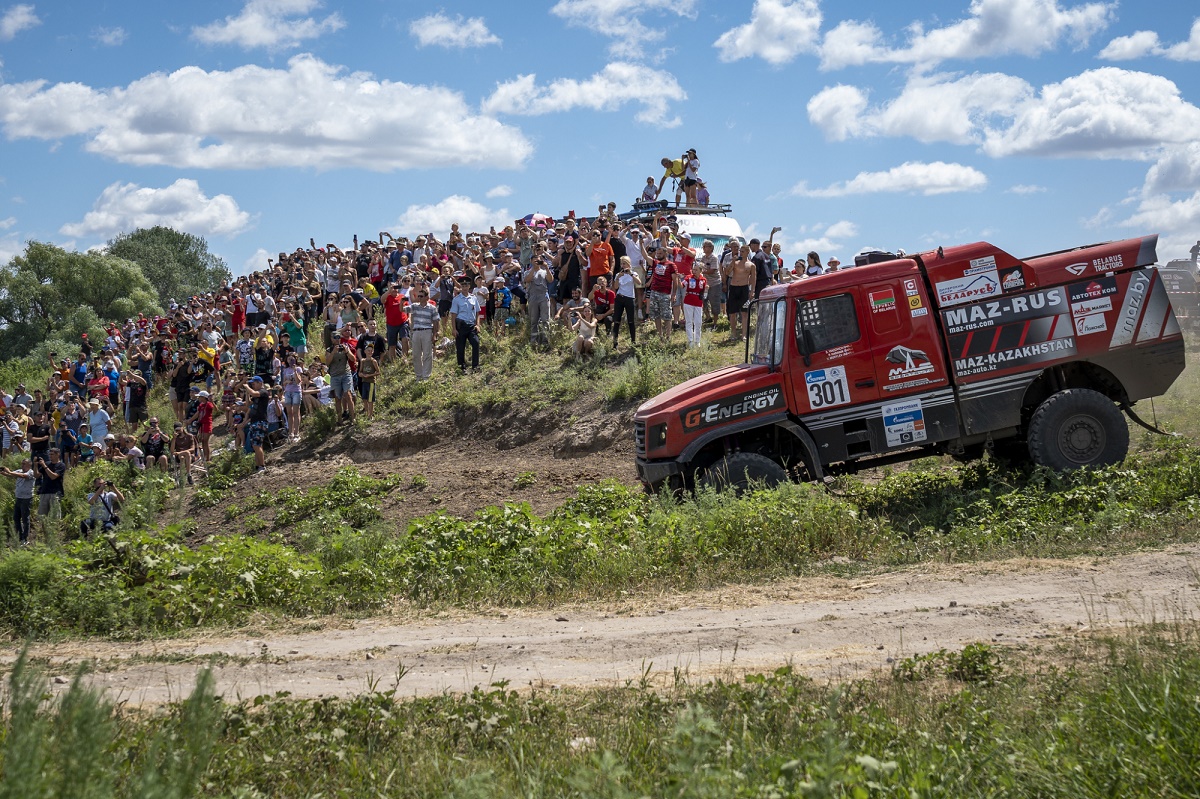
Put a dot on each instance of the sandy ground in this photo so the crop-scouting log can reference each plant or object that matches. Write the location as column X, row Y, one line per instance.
column 829, row 628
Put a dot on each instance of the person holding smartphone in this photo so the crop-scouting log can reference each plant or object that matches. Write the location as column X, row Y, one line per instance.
column 104, row 500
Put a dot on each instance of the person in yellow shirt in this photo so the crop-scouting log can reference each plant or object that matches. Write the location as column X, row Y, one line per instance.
column 675, row 170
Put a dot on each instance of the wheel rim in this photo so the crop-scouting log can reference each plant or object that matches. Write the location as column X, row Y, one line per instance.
column 1082, row 438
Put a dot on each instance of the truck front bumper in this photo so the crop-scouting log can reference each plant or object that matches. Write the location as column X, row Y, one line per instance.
column 653, row 474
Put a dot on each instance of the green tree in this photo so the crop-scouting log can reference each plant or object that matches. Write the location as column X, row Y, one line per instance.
column 178, row 265
column 51, row 294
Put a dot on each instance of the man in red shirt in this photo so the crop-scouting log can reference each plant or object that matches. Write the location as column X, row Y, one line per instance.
column 600, row 259
column 395, row 314
column 683, row 257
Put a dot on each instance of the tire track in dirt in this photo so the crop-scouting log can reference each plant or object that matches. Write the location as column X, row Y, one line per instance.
column 826, row 627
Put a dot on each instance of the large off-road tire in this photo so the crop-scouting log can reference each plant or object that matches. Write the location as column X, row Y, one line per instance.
column 744, row 470
column 1077, row 428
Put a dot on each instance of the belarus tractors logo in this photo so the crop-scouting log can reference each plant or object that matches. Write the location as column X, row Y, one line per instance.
column 910, row 363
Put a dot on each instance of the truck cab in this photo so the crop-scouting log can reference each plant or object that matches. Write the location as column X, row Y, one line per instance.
column 953, row 351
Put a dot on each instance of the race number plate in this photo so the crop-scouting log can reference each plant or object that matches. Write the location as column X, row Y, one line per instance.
column 827, row 388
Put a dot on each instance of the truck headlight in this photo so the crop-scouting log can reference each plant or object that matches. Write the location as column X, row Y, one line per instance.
column 657, row 437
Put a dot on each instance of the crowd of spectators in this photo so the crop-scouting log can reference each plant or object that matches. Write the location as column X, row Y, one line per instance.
column 319, row 326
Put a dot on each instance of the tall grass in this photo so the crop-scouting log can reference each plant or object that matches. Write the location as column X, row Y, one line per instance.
column 1096, row 719
column 329, row 549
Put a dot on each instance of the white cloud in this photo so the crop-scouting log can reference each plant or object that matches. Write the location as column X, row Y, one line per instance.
column 622, row 21
column 458, row 33
column 911, row 177
column 614, row 86
column 274, row 24
column 1101, row 113
column 963, row 105
column 5, row 224
column 110, row 37
column 1177, row 169
column 16, row 19
column 1135, row 45
column 499, row 191
column 437, row 218
column 797, row 242
column 257, row 262
column 182, row 205
column 1106, row 112
column 1026, row 189
column 10, row 247
column 778, row 31
column 311, row 114
column 994, row 28
column 1145, row 43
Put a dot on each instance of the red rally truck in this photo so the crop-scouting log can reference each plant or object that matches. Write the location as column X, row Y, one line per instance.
column 952, row 351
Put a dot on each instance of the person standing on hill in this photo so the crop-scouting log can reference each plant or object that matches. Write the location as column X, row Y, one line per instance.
column 464, row 314
column 22, row 497
column 423, row 317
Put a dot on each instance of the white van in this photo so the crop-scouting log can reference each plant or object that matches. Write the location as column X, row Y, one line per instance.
column 712, row 223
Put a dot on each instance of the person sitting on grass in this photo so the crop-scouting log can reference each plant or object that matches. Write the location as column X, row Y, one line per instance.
column 154, row 444
column 585, row 326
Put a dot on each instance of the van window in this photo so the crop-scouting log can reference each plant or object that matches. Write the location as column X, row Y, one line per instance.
column 829, row 322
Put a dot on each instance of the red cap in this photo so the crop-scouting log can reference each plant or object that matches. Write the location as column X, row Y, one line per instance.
column 83, row 335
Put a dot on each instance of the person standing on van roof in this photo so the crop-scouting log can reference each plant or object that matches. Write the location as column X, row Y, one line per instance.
column 675, row 170
column 691, row 177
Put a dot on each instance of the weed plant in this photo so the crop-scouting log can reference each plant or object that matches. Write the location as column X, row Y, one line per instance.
column 1097, row 719
column 329, row 549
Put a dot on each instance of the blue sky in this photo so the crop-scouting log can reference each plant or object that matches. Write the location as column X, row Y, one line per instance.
column 1033, row 124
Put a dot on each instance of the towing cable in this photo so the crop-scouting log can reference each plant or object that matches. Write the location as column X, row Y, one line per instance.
column 1153, row 428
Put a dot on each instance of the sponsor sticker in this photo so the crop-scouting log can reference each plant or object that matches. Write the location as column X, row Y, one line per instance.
column 1092, row 289
column 737, row 406
column 1077, row 269
column 968, row 288
column 978, row 265
column 914, row 303
column 882, row 300
column 1089, row 307
column 1090, row 324
column 910, row 288
column 1015, row 356
column 920, row 312
column 908, row 363
column 827, row 388
column 981, row 315
column 904, row 423
column 1131, row 310
column 1108, row 263
column 1012, row 280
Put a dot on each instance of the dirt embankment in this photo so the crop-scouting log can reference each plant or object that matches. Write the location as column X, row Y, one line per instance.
column 829, row 628
column 468, row 460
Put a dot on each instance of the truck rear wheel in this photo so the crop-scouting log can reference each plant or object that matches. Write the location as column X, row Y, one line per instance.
column 1077, row 428
column 743, row 470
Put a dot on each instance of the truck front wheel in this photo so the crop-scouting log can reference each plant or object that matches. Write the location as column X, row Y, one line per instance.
column 1077, row 428
column 743, row 470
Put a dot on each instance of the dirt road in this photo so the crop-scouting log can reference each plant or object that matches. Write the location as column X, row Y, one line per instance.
column 826, row 627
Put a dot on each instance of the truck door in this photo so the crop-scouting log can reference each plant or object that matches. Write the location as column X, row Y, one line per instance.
column 917, row 403
column 833, row 372
column 907, row 349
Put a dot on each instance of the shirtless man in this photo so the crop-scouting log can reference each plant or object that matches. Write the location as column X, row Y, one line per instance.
column 739, row 276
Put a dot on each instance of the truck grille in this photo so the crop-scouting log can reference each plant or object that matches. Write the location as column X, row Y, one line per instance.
column 639, row 438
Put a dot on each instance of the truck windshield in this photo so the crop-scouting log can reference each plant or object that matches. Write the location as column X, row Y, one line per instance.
column 770, row 328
